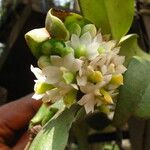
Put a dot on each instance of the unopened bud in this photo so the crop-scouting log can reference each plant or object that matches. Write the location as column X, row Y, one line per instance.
column 43, row 61
column 90, row 28
column 74, row 28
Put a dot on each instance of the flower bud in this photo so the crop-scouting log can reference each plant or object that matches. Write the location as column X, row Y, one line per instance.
column 66, row 50
column 41, row 88
column 43, row 61
column 117, row 79
column 95, row 77
column 46, row 48
column 90, row 28
column 74, row 28
column 107, row 97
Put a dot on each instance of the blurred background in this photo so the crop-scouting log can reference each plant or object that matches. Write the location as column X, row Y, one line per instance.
column 16, row 80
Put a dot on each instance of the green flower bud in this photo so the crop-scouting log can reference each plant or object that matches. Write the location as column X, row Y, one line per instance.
column 41, row 88
column 95, row 77
column 58, row 48
column 80, row 51
column 75, row 18
column 43, row 61
column 66, row 50
column 90, row 28
column 74, row 28
column 46, row 48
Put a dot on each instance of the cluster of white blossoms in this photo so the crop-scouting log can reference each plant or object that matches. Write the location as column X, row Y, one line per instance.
column 93, row 69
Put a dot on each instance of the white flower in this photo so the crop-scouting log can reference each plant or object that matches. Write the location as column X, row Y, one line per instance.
column 59, row 66
column 41, row 78
column 90, row 44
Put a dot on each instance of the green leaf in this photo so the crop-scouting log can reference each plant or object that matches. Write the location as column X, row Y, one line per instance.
column 35, row 38
column 134, row 95
column 112, row 16
column 46, row 111
column 54, row 135
column 55, row 26
column 130, row 48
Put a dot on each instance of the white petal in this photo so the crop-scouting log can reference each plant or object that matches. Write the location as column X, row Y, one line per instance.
column 68, row 61
column 92, row 50
column 75, row 86
column 76, row 66
column 86, row 39
column 111, row 68
column 118, row 60
column 53, row 74
column 120, row 69
column 75, row 41
column 81, row 80
column 98, row 38
column 88, row 88
column 107, row 78
column 52, row 95
column 56, row 60
column 88, row 101
column 104, row 69
column 37, row 96
column 38, row 73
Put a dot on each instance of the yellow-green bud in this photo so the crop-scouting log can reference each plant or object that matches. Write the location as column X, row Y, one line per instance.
column 117, row 79
column 74, row 28
column 43, row 61
column 41, row 88
column 90, row 28
column 107, row 97
column 80, row 51
column 95, row 76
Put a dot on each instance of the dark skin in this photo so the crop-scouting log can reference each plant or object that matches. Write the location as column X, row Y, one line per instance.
column 14, row 120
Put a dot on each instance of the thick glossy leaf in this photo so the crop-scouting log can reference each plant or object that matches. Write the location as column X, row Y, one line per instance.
column 130, row 48
column 54, row 135
column 35, row 38
column 112, row 16
column 134, row 94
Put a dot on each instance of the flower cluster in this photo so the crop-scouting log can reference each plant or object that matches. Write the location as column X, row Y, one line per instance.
column 85, row 64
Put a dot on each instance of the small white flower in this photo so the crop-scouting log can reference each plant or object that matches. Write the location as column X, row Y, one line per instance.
column 91, row 44
column 54, row 72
